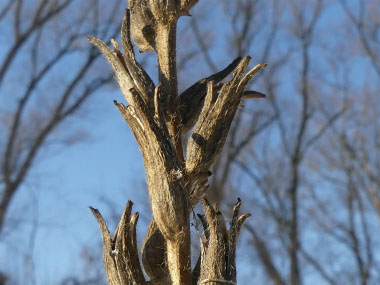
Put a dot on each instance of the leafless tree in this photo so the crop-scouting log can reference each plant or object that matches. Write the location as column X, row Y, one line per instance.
column 364, row 17
column 280, row 200
column 306, row 160
column 37, row 98
column 326, row 121
column 349, row 158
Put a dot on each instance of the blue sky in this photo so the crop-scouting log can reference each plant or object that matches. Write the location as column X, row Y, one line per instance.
column 58, row 191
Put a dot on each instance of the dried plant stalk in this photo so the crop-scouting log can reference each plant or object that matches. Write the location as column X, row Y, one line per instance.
column 158, row 117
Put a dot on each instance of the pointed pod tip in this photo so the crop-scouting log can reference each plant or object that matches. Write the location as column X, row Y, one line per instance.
column 251, row 94
column 93, row 210
column 115, row 44
column 243, row 218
